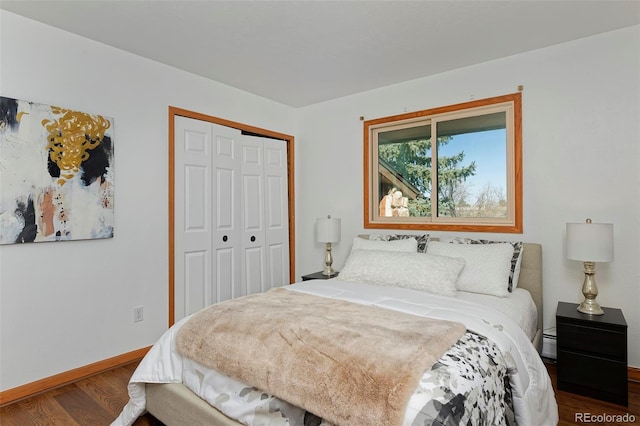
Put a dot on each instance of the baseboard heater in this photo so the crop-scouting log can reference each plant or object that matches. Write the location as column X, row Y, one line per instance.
column 549, row 343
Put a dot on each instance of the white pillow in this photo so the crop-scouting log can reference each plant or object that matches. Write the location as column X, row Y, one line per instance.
column 407, row 245
column 487, row 266
column 419, row 271
column 516, row 259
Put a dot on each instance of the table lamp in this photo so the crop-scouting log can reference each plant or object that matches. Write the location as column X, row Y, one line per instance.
column 328, row 231
column 590, row 243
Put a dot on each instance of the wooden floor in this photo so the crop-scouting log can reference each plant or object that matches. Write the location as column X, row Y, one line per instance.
column 570, row 405
column 98, row 400
column 94, row 401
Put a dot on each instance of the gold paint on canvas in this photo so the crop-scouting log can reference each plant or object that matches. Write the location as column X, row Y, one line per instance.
column 71, row 137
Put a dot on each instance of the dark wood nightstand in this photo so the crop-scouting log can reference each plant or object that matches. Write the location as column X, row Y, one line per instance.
column 318, row 276
column 592, row 353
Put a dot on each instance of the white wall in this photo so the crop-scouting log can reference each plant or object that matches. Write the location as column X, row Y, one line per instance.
column 581, row 138
column 66, row 305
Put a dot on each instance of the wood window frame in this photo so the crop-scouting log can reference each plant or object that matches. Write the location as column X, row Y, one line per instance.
column 513, row 223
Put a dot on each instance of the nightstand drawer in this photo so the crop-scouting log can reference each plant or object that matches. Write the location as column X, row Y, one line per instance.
column 592, row 340
column 592, row 376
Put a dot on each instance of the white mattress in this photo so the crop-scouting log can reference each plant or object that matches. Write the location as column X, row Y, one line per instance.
column 519, row 306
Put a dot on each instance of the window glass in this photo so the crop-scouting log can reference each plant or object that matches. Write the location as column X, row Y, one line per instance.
column 472, row 166
column 404, row 171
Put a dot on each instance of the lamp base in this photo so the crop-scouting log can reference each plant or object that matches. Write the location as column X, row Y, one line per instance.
column 328, row 271
column 590, row 307
column 328, row 261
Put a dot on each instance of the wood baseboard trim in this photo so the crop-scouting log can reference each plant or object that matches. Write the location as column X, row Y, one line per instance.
column 30, row 389
column 633, row 374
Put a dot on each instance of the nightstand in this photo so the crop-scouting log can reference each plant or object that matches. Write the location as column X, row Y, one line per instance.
column 318, row 276
column 592, row 353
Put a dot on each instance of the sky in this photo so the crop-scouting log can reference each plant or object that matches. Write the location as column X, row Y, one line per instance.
column 488, row 150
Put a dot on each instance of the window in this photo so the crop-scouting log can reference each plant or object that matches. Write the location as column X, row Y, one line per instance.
column 454, row 168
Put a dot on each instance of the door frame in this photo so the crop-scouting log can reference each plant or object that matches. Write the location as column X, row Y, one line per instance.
column 175, row 111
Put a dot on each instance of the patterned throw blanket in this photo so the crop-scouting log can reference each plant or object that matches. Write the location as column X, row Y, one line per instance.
column 348, row 363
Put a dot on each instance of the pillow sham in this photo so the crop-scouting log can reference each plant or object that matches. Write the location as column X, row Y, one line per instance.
column 418, row 271
column 486, row 269
column 408, row 245
column 516, row 260
column 422, row 239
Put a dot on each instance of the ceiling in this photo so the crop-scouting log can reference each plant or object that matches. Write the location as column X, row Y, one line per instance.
column 304, row 52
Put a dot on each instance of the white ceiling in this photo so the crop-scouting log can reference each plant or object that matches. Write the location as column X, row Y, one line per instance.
column 303, row 52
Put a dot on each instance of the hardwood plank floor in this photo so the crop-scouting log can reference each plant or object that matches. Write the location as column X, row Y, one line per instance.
column 94, row 401
column 97, row 400
column 571, row 406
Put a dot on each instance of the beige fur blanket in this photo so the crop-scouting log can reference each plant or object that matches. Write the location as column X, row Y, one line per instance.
column 348, row 363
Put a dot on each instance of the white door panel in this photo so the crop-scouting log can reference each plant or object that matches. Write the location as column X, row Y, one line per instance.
column 276, row 212
column 227, row 231
column 253, row 211
column 252, row 186
column 196, row 183
column 225, row 274
column 253, row 256
column 276, row 195
column 195, row 281
column 192, row 220
column 278, row 261
column 197, row 237
column 254, row 272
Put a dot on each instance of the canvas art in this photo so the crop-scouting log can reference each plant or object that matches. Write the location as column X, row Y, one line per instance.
column 56, row 173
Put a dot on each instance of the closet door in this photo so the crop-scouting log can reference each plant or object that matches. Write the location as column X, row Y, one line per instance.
column 253, row 260
column 231, row 214
column 192, row 216
column 226, row 214
column 276, row 215
column 265, row 241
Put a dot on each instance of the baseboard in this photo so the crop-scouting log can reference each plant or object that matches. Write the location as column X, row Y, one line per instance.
column 30, row 389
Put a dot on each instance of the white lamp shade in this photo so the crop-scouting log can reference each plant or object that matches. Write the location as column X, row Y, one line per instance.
column 590, row 242
column 328, row 230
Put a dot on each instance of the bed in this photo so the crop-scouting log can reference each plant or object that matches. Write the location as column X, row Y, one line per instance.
column 166, row 385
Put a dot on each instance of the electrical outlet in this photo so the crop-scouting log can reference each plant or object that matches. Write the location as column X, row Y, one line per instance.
column 138, row 314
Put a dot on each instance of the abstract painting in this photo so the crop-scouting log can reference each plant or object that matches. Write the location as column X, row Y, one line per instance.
column 56, row 173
